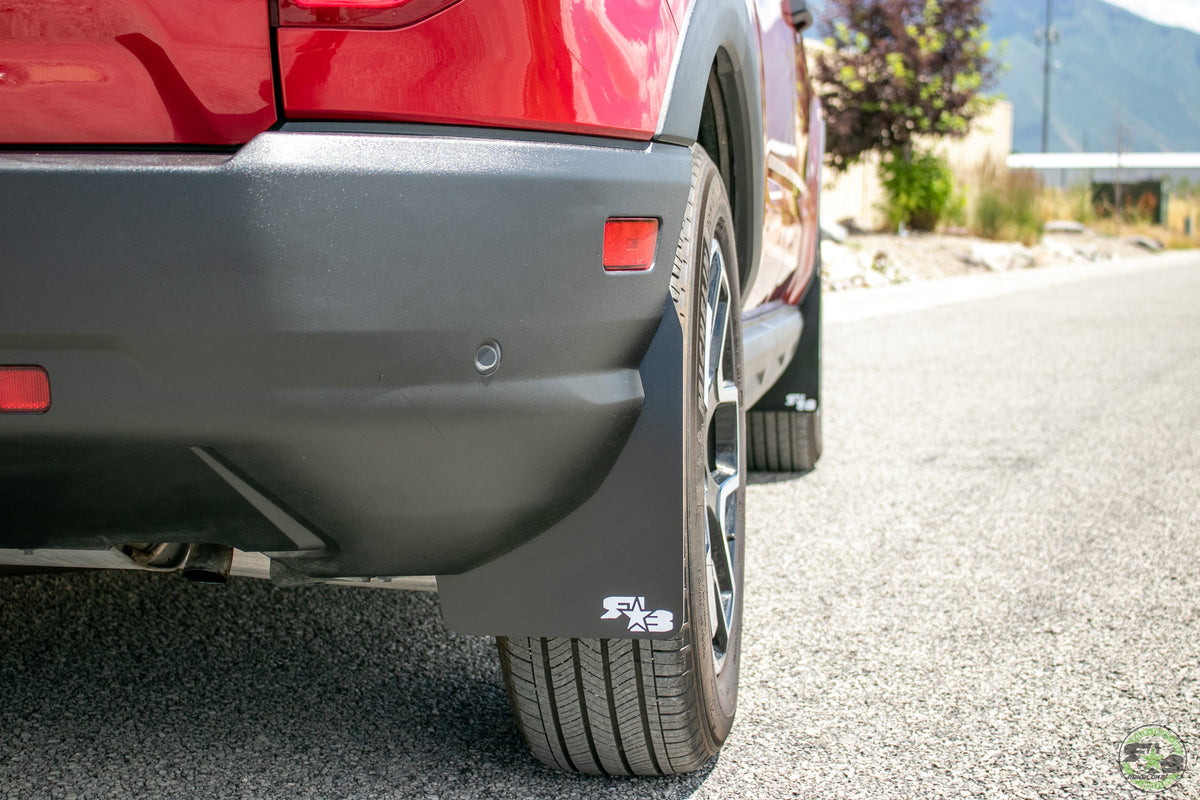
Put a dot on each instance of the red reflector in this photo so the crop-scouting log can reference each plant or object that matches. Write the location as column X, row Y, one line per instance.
column 358, row 13
column 629, row 244
column 24, row 389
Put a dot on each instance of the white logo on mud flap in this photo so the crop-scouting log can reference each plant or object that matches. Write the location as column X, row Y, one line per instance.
column 640, row 619
column 800, row 402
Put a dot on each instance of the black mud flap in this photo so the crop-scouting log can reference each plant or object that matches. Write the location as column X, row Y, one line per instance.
column 614, row 568
column 799, row 387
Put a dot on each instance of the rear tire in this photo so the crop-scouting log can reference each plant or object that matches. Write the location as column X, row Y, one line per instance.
column 663, row 707
column 784, row 441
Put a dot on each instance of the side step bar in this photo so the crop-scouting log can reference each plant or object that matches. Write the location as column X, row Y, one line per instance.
column 769, row 339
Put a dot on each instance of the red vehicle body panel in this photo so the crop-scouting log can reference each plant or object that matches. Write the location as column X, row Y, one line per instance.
column 135, row 72
column 146, row 72
column 496, row 64
column 793, row 151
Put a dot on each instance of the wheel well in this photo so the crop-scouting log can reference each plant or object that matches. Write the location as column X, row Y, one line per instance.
column 714, row 130
column 723, row 134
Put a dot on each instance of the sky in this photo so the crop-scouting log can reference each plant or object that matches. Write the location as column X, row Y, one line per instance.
column 1179, row 13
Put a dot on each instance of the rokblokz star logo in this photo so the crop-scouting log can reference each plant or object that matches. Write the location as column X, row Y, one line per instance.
column 641, row 620
column 1152, row 758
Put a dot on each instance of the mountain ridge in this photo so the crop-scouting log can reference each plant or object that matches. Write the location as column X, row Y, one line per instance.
column 1151, row 93
column 1116, row 72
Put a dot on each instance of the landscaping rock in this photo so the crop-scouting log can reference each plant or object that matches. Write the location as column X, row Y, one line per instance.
column 1000, row 256
column 878, row 259
column 1064, row 226
column 832, row 231
column 1153, row 245
column 854, row 268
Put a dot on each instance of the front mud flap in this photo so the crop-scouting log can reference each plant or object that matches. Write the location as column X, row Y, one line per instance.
column 615, row 567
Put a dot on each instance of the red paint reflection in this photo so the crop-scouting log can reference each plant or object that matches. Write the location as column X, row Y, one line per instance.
column 515, row 64
column 134, row 71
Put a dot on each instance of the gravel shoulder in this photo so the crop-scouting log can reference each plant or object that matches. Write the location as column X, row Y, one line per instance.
column 877, row 259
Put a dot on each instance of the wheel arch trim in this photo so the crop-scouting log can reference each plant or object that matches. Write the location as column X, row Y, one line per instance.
column 724, row 33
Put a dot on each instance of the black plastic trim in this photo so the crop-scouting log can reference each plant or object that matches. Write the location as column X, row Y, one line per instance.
column 307, row 311
column 726, row 36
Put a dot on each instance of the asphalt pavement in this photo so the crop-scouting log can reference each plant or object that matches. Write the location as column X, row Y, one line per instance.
column 990, row 579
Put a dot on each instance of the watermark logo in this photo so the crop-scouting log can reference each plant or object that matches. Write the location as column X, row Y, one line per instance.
column 1152, row 758
column 641, row 620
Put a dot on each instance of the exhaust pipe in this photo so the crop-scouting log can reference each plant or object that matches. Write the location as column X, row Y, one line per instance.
column 208, row 563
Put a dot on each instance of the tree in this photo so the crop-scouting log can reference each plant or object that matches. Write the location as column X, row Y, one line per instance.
column 898, row 69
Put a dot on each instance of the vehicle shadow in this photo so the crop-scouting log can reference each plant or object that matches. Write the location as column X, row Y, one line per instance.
column 131, row 685
column 758, row 478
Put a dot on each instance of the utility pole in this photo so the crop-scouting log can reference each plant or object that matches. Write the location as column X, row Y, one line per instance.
column 1049, row 36
column 1124, row 137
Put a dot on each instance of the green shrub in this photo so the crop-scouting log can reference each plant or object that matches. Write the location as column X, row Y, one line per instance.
column 920, row 189
column 1005, row 204
column 1082, row 208
column 990, row 213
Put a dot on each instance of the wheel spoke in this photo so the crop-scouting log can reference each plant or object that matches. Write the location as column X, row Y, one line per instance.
column 716, row 329
column 712, row 401
column 726, row 391
column 712, row 491
column 716, row 614
column 722, row 480
column 725, row 515
column 726, row 494
column 714, row 367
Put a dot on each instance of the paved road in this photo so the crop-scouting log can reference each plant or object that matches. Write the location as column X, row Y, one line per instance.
column 992, row 576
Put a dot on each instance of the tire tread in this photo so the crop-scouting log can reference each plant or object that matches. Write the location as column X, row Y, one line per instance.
column 784, row 441
column 615, row 706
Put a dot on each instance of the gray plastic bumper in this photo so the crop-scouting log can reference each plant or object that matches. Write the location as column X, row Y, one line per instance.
column 306, row 314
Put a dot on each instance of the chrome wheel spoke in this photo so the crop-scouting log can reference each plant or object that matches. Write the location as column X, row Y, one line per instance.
column 720, row 517
column 716, row 329
column 726, row 392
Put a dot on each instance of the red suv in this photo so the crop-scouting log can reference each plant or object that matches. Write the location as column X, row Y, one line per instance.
column 498, row 298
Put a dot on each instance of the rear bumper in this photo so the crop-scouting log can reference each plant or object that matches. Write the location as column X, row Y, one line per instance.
column 275, row 350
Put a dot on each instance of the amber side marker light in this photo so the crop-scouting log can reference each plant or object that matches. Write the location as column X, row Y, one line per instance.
column 24, row 390
column 630, row 243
